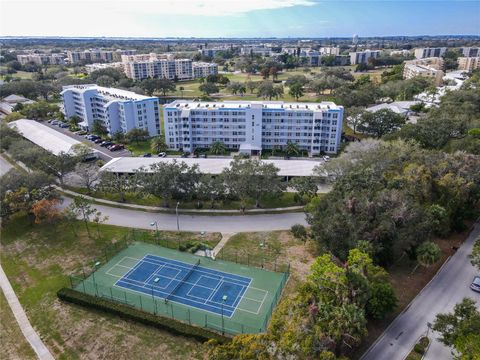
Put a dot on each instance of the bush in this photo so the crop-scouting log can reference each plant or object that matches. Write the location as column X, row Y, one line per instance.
column 299, row 231
column 193, row 246
column 131, row 313
column 419, row 349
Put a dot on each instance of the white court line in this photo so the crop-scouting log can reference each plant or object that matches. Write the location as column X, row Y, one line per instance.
column 215, row 289
column 153, row 274
column 261, row 304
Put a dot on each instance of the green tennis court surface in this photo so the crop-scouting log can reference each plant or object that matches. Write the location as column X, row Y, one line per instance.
column 216, row 294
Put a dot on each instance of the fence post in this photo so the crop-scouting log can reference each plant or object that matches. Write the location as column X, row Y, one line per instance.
column 155, row 310
column 71, row 281
column 83, row 271
column 141, row 306
column 83, row 284
column 236, row 257
column 171, row 307
column 111, row 293
column 248, row 261
column 242, row 328
column 189, row 323
column 205, row 320
column 126, row 301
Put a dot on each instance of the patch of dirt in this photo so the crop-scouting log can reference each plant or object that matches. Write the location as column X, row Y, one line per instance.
column 298, row 254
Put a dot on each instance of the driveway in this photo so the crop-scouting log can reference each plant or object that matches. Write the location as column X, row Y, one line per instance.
column 5, row 166
column 221, row 223
column 447, row 288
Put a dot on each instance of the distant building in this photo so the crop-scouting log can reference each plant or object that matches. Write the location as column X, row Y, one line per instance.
column 422, row 53
column 145, row 66
column 100, row 66
column 118, row 110
column 470, row 51
column 93, row 55
column 330, row 50
column 468, row 63
column 211, row 52
column 362, row 57
column 251, row 126
column 428, row 67
column 41, row 59
column 255, row 50
column 355, row 39
column 117, row 54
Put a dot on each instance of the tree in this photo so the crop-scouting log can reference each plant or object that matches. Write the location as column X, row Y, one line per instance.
column 475, row 255
column 209, row 88
column 136, row 135
column 266, row 89
column 46, row 211
column 292, row 148
column 99, row 219
column 40, row 110
column 211, row 188
column 299, row 231
column 461, row 329
column 252, row 179
column 99, row 128
column 305, row 186
column 428, row 253
column 149, row 85
column 251, row 86
column 296, row 90
column 88, row 175
column 181, row 88
column 82, row 208
column 380, row 122
column 382, row 300
column 60, row 165
column 218, row 148
column 117, row 184
column 354, row 117
column 158, row 144
column 13, row 116
column 165, row 86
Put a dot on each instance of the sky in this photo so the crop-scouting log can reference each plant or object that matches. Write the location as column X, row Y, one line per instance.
column 238, row 18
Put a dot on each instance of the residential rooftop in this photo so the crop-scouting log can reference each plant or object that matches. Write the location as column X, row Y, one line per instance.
column 110, row 93
column 188, row 104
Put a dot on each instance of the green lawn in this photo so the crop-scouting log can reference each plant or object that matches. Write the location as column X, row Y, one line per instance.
column 139, row 148
column 37, row 258
column 13, row 344
column 20, row 75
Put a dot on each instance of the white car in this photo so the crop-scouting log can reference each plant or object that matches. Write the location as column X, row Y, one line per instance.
column 326, row 158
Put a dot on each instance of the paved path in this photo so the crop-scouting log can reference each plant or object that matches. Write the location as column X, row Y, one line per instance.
column 447, row 288
column 222, row 243
column 4, row 166
column 221, row 223
column 32, row 337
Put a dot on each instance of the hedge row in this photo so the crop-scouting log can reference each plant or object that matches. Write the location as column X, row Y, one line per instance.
column 131, row 313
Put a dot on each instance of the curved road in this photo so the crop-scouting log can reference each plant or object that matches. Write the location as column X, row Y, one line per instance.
column 221, row 223
column 447, row 288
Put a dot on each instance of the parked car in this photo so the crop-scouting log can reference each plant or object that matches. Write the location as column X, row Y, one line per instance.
column 147, row 155
column 162, row 154
column 185, row 154
column 98, row 141
column 80, row 132
column 326, row 158
column 54, row 122
column 475, row 285
column 204, row 156
column 92, row 137
column 116, row 147
column 106, row 143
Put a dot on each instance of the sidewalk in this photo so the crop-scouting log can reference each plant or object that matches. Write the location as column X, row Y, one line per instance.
column 32, row 337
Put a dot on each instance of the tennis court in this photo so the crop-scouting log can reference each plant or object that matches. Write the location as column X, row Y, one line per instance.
column 216, row 294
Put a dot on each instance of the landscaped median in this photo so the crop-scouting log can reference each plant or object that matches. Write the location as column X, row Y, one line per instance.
column 419, row 350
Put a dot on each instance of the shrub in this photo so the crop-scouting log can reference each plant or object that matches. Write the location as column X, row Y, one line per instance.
column 299, row 231
column 131, row 313
column 193, row 246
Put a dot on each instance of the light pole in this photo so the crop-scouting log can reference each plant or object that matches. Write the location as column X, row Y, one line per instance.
column 156, row 280
column 156, row 229
column 224, row 298
column 176, row 211
column 94, row 268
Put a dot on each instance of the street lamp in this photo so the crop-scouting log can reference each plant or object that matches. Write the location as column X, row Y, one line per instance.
column 224, row 298
column 156, row 229
column 94, row 268
column 176, row 211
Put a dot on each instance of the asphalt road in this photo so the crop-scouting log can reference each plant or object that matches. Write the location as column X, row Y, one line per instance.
column 447, row 288
column 221, row 223
column 4, row 166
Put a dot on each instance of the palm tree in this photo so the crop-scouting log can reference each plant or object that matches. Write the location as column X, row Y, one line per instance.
column 158, row 145
column 292, row 148
column 218, row 148
column 428, row 253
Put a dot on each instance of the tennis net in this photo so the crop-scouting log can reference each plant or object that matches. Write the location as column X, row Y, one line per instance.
column 184, row 279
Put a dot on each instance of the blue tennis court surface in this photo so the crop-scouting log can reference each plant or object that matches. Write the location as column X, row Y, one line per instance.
column 189, row 284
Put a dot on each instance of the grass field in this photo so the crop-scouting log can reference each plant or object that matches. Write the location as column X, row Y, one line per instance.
column 36, row 259
column 13, row 344
column 20, row 75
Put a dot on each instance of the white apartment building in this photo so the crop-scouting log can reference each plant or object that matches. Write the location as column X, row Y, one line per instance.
column 468, row 63
column 330, row 50
column 92, row 55
column 118, row 110
column 470, row 51
column 362, row 57
column 255, row 50
column 250, row 126
column 211, row 52
column 144, row 66
column 422, row 53
column 203, row 69
column 41, row 59
column 428, row 67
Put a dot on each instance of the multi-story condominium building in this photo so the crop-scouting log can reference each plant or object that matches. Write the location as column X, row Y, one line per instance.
column 211, row 52
column 470, row 51
column 117, row 54
column 118, row 110
column 428, row 67
column 41, row 59
column 255, row 50
column 422, row 53
column 330, row 50
column 92, row 55
column 203, row 69
column 251, row 126
column 144, row 66
column 362, row 57
column 468, row 63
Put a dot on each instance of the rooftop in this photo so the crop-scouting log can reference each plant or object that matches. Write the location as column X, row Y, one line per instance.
column 112, row 93
column 188, row 104
column 207, row 166
column 43, row 136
